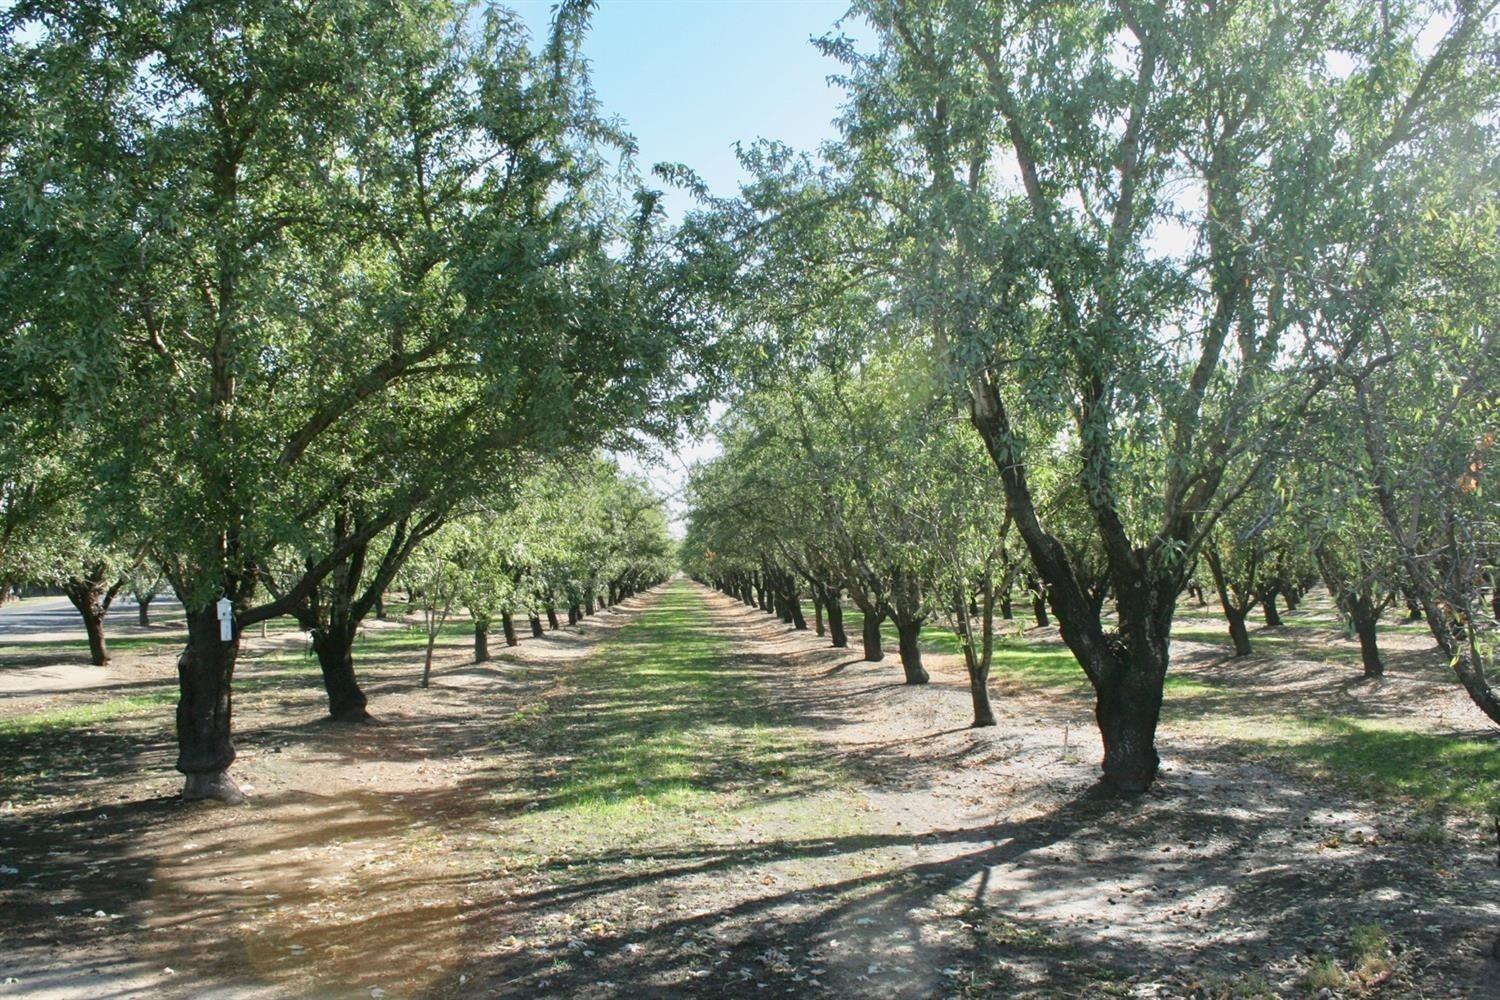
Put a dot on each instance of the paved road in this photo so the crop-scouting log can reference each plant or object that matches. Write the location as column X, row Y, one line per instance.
column 36, row 617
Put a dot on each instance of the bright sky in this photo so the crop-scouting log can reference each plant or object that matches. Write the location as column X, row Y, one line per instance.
column 691, row 78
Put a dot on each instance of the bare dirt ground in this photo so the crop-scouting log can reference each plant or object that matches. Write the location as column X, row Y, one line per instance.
column 685, row 798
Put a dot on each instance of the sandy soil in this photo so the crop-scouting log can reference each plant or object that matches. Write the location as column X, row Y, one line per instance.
column 902, row 855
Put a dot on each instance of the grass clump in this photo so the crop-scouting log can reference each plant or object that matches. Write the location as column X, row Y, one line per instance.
column 1370, row 950
column 1324, row 973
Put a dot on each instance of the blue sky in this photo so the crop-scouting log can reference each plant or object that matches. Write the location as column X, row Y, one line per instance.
column 690, row 78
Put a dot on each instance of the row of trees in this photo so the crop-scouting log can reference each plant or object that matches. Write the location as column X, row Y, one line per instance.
column 284, row 288
column 1093, row 295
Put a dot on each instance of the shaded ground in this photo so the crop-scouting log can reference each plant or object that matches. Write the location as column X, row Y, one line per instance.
column 684, row 798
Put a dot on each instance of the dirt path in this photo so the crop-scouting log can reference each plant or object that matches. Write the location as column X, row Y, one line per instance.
column 708, row 804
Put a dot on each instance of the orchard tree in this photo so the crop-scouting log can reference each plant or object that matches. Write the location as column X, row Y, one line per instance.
column 326, row 258
column 1125, row 225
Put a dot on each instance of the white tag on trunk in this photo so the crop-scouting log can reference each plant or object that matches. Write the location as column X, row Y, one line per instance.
column 225, row 608
column 226, row 630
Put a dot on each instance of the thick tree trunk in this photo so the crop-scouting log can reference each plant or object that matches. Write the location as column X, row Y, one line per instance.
column 979, row 691
column 143, row 612
column 798, row 622
column 88, row 600
column 380, row 607
column 1127, row 711
column 1367, row 626
column 204, row 673
column 817, row 600
column 93, row 625
column 335, row 651
column 573, row 614
column 1039, row 609
column 508, row 626
column 552, row 622
column 873, row 651
column 1007, row 611
column 1268, row 604
column 835, row 609
column 1237, row 630
column 908, row 634
column 481, row 640
column 536, row 627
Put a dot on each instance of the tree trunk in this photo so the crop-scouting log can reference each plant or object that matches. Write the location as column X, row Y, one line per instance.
column 873, row 651
column 1006, row 610
column 380, row 607
column 552, row 622
column 1127, row 710
column 911, row 652
column 1273, row 617
column 508, row 625
column 143, row 612
column 1039, row 609
column 817, row 599
column 536, row 627
column 93, row 624
column 1237, row 630
column 835, row 609
column 204, row 672
column 1366, row 619
column 87, row 599
column 573, row 614
column 334, row 648
column 798, row 622
column 481, row 640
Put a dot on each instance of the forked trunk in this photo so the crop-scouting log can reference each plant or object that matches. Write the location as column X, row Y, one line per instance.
column 205, row 671
column 908, row 634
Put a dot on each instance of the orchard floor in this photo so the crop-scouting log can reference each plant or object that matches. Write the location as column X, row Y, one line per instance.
column 683, row 797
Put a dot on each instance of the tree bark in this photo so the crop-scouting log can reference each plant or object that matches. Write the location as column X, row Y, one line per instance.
column 508, row 625
column 833, row 604
column 143, row 612
column 204, row 672
column 552, row 622
column 536, row 627
column 1273, row 616
column 817, row 602
column 873, row 651
column 1367, row 627
column 908, row 633
column 334, row 648
column 481, row 640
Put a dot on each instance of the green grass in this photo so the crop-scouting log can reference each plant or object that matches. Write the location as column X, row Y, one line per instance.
column 1048, row 664
column 658, row 732
column 54, row 720
column 1378, row 758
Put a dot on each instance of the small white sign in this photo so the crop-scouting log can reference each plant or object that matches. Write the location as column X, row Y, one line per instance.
column 226, row 609
column 226, row 630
